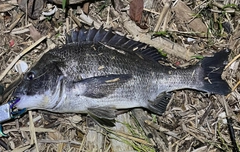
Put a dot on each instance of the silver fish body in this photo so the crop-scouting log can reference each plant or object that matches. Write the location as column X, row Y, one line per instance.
column 102, row 70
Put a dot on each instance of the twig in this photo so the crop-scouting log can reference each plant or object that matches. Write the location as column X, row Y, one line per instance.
column 37, row 129
column 158, row 42
column 59, row 141
column 230, row 127
column 20, row 55
column 219, row 5
column 67, row 24
column 165, row 22
column 74, row 18
column 234, row 59
column 217, row 11
column 232, row 135
column 32, row 131
column 141, row 118
column 151, row 11
column 139, row 140
column 161, row 129
column 233, row 88
column 83, row 143
column 4, row 145
column 108, row 13
column 127, row 136
column 19, row 30
column 236, row 86
column 19, row 16
column 21, row 148
column 183, row 138
column 206, row 113
column 155, row 137
column 199, row 5
column 95, row 136
column 70, row 2
column 162, row 15
column 89, row 20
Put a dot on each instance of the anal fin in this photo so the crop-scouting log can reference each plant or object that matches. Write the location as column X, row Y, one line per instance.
column 159, row 105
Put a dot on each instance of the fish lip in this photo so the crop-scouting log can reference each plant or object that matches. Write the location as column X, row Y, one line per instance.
column 14, row 101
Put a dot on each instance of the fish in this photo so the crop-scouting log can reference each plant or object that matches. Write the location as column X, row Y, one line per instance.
column 99, row 72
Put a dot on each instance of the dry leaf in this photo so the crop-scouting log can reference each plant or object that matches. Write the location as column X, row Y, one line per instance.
column 86, row 7
column 6, row 7
column 184, row 14
column 35, row 35
column 32, row 7
column 55, row 135
column 135, row 12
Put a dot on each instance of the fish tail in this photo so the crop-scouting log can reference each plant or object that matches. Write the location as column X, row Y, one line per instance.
column 212, row 68
column 209, row 72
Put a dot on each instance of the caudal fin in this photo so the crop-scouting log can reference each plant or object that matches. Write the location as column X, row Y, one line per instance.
column 212, row 71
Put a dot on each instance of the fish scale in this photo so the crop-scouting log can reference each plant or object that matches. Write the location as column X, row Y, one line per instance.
column 98, row 72
column 89, row 63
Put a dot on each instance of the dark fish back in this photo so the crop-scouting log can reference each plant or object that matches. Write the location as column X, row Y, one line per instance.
column 117, row 41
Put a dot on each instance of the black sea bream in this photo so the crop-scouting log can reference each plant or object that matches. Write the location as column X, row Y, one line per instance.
column 98, row 71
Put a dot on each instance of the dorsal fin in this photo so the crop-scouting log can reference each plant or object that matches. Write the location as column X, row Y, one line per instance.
column 117, row 41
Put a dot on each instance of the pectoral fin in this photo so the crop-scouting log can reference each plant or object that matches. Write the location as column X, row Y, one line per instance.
column 102, row 86
column 159, row 105
column 103, row 115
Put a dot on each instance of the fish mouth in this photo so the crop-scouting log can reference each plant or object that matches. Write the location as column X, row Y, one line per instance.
column 13, row 102
column 28, row 102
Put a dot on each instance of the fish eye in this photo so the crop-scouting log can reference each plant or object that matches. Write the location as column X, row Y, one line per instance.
column 30, row 75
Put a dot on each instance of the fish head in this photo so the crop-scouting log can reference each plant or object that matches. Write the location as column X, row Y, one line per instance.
column 40, row 87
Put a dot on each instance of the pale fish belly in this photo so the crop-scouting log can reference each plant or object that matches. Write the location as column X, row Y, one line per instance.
column 80, row 104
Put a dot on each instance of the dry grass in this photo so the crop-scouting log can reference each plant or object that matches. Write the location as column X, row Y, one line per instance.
column 192, row 122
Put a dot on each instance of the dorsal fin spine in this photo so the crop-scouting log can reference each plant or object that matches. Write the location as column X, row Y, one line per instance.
column 107, row 37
